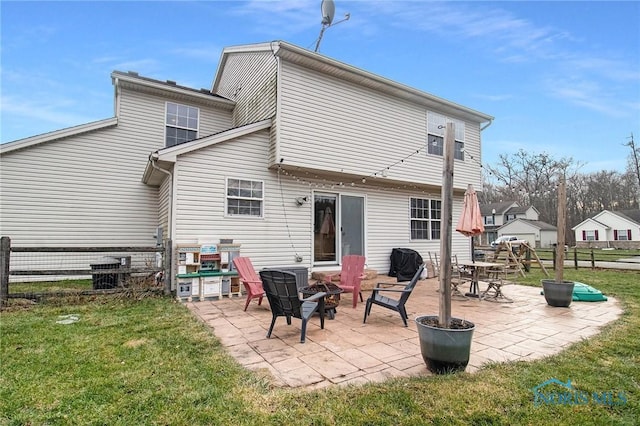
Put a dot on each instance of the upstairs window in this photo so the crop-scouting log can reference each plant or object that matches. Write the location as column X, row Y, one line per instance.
column 245, row 198
column 436, row 125
column 181, row 123
column 488, row 220
column 425, row 219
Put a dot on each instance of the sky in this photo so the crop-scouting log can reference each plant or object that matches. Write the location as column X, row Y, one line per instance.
column 560, row 77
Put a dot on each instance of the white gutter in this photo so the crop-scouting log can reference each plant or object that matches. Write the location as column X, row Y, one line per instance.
column 489, row 123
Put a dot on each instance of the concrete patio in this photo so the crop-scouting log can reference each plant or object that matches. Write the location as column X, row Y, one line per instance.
column 350, row 352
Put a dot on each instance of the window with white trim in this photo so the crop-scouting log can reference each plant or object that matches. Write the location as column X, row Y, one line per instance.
column 488, row 220
column 436, row 124
column 181, row 123
column 425, row 219
column 622, row 234
column 244, row 197
column 590, row 235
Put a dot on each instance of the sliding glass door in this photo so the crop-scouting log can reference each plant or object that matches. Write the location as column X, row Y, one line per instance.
column 338, row 228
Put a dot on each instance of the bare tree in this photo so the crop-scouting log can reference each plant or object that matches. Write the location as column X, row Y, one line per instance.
column 633, row 167
column 531, row 179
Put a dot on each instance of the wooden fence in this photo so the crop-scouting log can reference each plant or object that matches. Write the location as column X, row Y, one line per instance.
column 34, row 272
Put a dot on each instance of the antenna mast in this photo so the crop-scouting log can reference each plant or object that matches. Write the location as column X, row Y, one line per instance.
column 328, row 9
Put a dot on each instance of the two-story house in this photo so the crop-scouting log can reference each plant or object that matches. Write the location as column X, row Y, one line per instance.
column 509, row 218
column 299, row 158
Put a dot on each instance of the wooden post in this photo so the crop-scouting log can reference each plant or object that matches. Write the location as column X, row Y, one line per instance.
column 5, row 255
column 168, row 263
column 575, row 257
column 562, row 226
column 444, row 317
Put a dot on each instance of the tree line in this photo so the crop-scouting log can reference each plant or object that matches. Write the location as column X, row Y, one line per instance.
column 531, row 179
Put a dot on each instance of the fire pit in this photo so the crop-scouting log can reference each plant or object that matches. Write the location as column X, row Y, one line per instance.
column 331, row 300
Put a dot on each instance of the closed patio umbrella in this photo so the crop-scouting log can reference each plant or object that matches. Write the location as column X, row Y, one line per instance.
column 470, row 223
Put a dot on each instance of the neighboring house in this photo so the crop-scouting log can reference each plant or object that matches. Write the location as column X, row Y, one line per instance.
column 537, row 233
column 610, row 229
column 496, row 215
column 299, row 158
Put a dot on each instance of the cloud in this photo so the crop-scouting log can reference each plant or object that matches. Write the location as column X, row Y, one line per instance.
column 52, row 111
column 494, row 98
column 586, row 93
column 281, row 17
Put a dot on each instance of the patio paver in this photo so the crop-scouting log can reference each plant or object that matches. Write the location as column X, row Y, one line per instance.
column 350, row 352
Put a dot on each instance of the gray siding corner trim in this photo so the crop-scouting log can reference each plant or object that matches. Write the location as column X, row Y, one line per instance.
column 58, row 134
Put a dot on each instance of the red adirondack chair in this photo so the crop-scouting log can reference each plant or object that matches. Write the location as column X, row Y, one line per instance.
column 251, row 281
column 351, row 276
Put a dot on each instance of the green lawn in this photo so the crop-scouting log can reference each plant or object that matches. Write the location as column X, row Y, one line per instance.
column 150, row 362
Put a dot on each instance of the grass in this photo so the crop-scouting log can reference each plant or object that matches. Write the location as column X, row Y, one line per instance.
column 50, row 286
column 150, row 362
column 584, row 254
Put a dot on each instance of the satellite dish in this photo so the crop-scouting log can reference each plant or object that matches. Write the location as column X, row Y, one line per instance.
column 328, row 9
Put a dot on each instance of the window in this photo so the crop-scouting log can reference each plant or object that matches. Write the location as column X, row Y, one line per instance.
column 591, row 235
column 509, row 217
column 245, row 198
column 181, row 123
column 488, row 220
column 622, row 234
column 425, row 219
column 436, row 124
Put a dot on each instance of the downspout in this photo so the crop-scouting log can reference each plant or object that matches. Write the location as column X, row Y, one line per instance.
column 153, row 157
column 486, row 234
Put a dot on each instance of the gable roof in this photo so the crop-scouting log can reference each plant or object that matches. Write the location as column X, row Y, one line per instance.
column 161, row 161
column 590, row 220
column 57, row 134
column 325, row 65
column 169, row 89
column 519, row 209
column 500, row 208
column 633, row 215
column 542, row 226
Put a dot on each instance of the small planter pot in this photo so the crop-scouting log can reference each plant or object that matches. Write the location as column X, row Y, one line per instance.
column 444, row 350
column 558, row 294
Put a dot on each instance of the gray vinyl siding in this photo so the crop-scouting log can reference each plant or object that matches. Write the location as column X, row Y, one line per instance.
column 389, row 226
column 143, row 115
column 286, row 229
column 86, row 189
column 329, row 124
column 200, row 195
column 164, row 205
column 250, row 80
column 79, row 191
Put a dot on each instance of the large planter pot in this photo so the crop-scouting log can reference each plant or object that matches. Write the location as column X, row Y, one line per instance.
column 444, row 350
column 558, row 294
